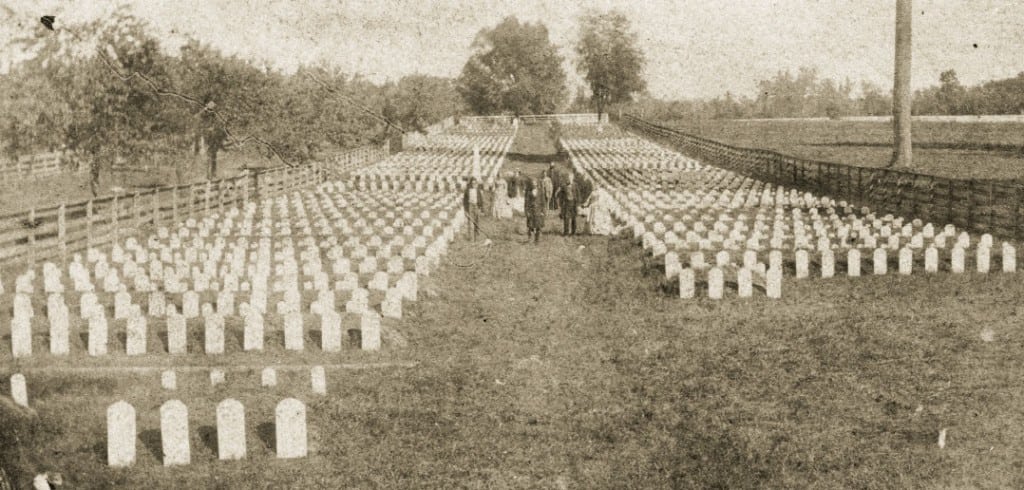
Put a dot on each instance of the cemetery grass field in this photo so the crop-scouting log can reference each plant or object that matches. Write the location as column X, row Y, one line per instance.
column 948, row 149
column 565, row 365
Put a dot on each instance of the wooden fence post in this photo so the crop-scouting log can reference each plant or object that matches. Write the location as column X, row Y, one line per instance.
column 970, row 204
column 113, row 216
column 88, row 224
column 136, row 210
column 949, row 201
column 32, row 226
column 245, row 189
column 220, row 197
column 206, row 208
column 62, row 232
column 174, row 204
column 1016, row 210
column 191, row 199
column 156, row 207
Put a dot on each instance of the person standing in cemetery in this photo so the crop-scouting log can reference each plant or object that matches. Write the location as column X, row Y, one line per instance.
column 536, row 204
column 568, row 199
column 549, row 187
column 501, row 208
column 472, row 202
column 599, row 218
column 556, row 183
column 516, row 192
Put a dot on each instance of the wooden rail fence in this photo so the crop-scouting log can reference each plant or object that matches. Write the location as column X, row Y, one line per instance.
column 57, row 231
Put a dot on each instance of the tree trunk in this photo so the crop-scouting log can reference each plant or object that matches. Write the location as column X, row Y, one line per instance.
column 902, row 97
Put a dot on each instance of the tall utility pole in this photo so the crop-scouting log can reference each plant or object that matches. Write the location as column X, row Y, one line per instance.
column 901, row 94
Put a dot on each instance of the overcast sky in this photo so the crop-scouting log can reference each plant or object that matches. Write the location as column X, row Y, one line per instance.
column 695, row 48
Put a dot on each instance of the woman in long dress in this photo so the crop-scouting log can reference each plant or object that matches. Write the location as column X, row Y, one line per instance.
column 502, row 208
column 599, row 216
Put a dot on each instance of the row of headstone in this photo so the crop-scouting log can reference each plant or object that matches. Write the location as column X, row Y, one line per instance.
column 744, row 280
column 826, row 261
column 137, row 331
column 289, row 422
column 268, row 378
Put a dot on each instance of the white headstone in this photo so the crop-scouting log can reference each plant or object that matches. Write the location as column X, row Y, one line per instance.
column 174, row 433
column 773, row 283
column 268, row 377
column 716, row 283
column 318, row 379
column 230, row 430
column 293, row 332
column 370, row 330
column 120, row 434
column 169, row 380
column 745, row 283
column 19, row 392
column 214, row 338
column 122, row 305
column 157, row 303
column 931, row 259
column 290, row 422
column 21, row 336
column 136, row 335
column 828, row 264
column 330, row 331
column 190, row 304
column 880, row 260
column 802, row 264
column 687, row 284
column 253, row 334
column 984, row 258
column 1009, row 258
column 59, row 343
column 957, row 260
column 853, row 262
column 98, row 335
column 177, row 339
column 906, row 261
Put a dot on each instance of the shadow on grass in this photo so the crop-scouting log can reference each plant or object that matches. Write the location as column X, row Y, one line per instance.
column 208, row 435
column 265, row 431
column 151, row 439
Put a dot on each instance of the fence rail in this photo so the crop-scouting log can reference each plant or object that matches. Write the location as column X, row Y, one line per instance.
column 56, row 231
column 30, row 167
column 979, row 205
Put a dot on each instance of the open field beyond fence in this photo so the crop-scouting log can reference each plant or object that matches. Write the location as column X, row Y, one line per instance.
column 954, row 149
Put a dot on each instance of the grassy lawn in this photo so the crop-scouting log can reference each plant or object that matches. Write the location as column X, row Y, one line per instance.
column 962, row 150
column 564, row 366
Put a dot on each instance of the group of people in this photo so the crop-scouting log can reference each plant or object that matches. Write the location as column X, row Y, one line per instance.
column 567, row 192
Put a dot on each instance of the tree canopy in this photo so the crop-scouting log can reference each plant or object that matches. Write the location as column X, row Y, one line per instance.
column 107, row 91
column 515, row 69
column 609, row 58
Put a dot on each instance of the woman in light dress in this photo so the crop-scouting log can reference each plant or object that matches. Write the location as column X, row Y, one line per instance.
column 502, row 209
column 599, row 215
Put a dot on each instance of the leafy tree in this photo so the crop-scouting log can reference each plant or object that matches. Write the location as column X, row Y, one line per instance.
column 421, row 100
column 514, row 69
column 609, row 58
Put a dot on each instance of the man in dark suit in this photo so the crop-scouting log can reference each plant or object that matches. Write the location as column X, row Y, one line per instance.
column 569, row 196
column 556, row 183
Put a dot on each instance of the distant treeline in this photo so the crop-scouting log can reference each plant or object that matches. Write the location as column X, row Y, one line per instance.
column 805, row 94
